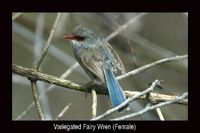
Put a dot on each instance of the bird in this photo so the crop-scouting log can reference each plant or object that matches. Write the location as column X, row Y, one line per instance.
column 99, row 60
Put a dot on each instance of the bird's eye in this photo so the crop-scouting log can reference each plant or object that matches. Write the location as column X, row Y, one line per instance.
column 79, row 38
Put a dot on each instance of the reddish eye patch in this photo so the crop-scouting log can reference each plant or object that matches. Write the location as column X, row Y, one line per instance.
column 74, row 37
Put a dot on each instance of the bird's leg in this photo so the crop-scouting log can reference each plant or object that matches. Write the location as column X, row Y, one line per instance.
column 88, row 87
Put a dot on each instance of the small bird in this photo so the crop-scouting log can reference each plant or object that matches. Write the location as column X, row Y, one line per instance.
column 99, row 60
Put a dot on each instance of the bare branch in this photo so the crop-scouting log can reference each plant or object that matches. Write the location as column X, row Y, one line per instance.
column 35, row 97
column 69, row 71
column 148, row 108
column 64, row 75
column 159, row 112
column 44, row 51
column 154, row 97
column 33, row 74
column 60, row 115
column 94, row 103
column 25, row 111
column 109, row 112
column 123, row 27
column 136, row 71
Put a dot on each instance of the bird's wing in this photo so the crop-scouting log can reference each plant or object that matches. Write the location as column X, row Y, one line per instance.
column 94, row 64
column 118, row 62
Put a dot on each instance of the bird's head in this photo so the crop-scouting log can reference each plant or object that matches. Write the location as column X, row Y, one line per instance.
column 82, row 36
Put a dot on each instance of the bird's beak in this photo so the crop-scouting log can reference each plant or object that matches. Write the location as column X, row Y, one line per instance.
column 70, row 36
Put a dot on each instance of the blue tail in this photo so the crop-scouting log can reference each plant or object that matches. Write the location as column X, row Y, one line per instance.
column 116, row 93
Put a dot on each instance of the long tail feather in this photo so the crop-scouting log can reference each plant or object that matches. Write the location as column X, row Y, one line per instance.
column 116, row 93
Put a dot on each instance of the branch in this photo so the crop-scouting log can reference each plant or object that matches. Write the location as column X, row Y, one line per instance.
column 45, row 49
column 69, row 71
column 63, row 111
column 136, row 71
column 32, row 80
column 126, row 25
column 125, row 103
column 160, row 114
column 35, row 97
column 148, row 108
column 31, row 73
column 154, row 97
column 64, row 75
column 94, row 103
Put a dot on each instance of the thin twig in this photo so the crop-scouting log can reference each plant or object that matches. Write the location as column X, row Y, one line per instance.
column 160, row 114
column 94, row 103
column 136, row 71
column 109, row 112
column 64, row 75
column 44, row 51
column 25, row 111
column 126, row 25
column 69, row 71
column 16, row 15
column 148, row 108
column 156, row 49
column 35, row 97
column 37, row 47
column 60, row 115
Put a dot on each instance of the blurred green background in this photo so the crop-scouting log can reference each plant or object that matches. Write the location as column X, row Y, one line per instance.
column 151, row 37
